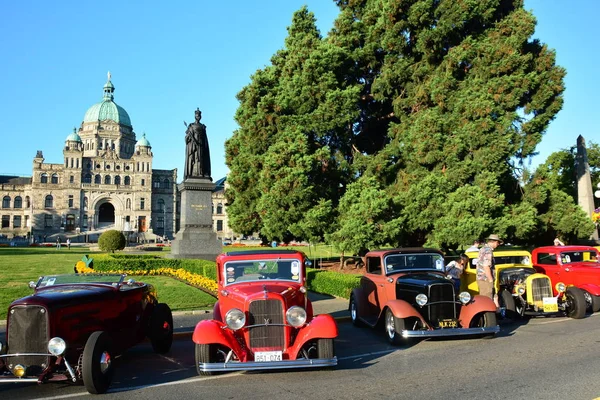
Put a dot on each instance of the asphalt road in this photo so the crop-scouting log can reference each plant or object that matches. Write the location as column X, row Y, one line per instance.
column 553, row 358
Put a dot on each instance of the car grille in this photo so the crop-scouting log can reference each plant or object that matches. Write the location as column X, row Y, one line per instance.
column 446, row 309
column 265, row 314
column 28, row 333
column 540, row 288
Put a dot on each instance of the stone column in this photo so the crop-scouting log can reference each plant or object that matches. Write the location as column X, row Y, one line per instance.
column 585, row 194
column 196, row 238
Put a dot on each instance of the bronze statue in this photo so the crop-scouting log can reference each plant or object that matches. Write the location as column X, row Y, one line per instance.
column 197, row 161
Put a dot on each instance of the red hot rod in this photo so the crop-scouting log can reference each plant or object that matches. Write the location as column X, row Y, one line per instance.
column 72, row 327
column 263, row 318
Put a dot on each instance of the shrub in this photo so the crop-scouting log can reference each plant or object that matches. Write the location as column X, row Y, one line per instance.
column 332, row 283
column 112, row 240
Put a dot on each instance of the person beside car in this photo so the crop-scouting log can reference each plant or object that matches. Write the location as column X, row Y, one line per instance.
column 485, row 268
column 455, row 269
column 474, row 246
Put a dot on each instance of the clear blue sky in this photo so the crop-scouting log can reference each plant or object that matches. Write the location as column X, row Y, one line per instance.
column 167, row 58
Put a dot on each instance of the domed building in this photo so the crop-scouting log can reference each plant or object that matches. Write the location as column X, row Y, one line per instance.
column 105, row 182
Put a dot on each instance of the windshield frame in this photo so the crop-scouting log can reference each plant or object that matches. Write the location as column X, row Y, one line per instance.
column 47, row 281
column 231, row 268
column 439, row 263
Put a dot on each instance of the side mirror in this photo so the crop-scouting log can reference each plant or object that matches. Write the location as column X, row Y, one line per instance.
column 32, row 285
column 308, row 263
column 130, row 282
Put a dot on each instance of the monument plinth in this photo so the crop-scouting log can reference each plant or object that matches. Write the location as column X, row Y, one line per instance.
column 196, row 237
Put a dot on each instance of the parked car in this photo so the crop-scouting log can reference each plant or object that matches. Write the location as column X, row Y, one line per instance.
column 263, row 318
column 408, row 291
column 73, row 326
column 578, row 267
column 522, row 291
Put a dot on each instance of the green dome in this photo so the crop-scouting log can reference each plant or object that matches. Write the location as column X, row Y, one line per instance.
column 73, row 137
column 107, row 108
column 143, row 141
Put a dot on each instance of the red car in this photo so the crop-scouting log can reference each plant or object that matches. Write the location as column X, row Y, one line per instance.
column 575, row 266
column 263, row 318
column 73, row 326
column 407, row 291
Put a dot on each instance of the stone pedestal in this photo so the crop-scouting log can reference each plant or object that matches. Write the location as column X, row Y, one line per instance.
column 196, row 238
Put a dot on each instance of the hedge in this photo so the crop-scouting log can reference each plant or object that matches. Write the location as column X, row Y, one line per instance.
column 332, row 283
column 144, row 264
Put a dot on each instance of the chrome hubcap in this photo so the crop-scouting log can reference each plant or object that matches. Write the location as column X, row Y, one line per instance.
column 105, row 362
column 390, row 326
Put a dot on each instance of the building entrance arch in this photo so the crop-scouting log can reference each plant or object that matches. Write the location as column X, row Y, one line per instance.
column 106, row 214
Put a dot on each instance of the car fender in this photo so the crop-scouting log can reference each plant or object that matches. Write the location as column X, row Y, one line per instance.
column 321, row 326
column 217, row 312
column 403, row 309
column 590, row 288
column 216, row 332
column 359, row 297
column 477, row 305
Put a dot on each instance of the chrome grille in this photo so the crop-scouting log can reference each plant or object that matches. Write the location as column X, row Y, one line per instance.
column 540, row 288
column 28, row 333
column 266, row 314
column 446, row 308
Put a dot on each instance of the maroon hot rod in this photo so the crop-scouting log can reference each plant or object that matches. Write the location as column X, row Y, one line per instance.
column 263, row 318
column 407, row 291
column 72, row 327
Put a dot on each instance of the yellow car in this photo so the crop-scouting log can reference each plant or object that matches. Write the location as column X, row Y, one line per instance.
column 522, row 291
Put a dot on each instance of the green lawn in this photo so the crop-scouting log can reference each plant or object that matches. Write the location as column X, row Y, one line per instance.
column 19, row 266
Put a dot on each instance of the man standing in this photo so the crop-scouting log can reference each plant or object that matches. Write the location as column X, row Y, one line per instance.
column 58, row 243
column 474, row 247
column 485, row 268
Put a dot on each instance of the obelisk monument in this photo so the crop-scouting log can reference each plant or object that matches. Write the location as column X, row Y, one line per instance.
column 585, row 194
column 196, row 237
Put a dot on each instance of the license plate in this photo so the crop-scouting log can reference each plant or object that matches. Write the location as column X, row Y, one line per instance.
column 448, row 323
column 550, row 304
column 267, row 356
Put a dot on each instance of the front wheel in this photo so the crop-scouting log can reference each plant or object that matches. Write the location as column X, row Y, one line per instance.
column 507, row 301
column 393, row 327
column 161, row 328
column 592, row 302
column 484, row 320
column 97, row 363
column 576, row 304
column 325, row 348
column 208, row 353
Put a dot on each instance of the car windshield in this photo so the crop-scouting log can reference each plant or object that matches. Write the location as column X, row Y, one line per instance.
column 254, row 270
column 402, row 262
column 577, row 256
column 51, row 280
column 519, row 260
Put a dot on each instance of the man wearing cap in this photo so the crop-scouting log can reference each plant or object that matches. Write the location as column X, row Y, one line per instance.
column 485, row 267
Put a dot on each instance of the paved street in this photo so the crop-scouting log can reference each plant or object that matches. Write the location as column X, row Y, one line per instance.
column 541, row 359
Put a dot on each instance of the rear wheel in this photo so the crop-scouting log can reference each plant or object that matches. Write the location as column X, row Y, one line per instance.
column 576, row 304
column 208, row 353
column 97, row 363
column 393, row 327
column 161, row 328
column 354, row 311
column 507, row 301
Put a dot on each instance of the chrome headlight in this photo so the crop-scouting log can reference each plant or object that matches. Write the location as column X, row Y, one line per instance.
column 421, row 299
column 464, row 297
column 296, row 316
column 56, row 346
column 521, row 290
column 235, row 319
column 560, row 287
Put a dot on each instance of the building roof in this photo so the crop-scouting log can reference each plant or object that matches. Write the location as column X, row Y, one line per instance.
column 15, row 180
column 143, row 141
column 73, row 137
column 107, row 109
column 220, row 185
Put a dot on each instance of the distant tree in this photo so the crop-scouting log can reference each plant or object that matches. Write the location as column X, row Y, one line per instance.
column 112, row 240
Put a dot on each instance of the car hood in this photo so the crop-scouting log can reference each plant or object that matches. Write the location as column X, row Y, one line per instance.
column 65, row 295
column 421, row 279
column 289, row 292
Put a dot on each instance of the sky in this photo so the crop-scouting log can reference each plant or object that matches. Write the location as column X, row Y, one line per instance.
column 167, row 58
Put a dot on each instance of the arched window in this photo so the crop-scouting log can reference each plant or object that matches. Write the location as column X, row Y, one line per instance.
column 6, row 202
column 98, row 179
column 219, row 208
column 117, row 180
column 87, row 178
column 49, row 202
column 85, row 203
column 161, row 205
column 18, row 202
column 54, row 179
column 44, row 178
column 127, row 181
column 27, row 202
column 107, row 180
column 167, row 183
column 128, row 204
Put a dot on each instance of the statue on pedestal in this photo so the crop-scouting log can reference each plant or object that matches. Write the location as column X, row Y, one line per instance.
column 197, row 160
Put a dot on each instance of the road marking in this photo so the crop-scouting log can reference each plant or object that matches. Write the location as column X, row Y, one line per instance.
column 375, row 353
column 562, row 320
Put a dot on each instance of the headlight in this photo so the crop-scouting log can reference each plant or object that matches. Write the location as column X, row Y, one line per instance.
column 56, row 346
column 464, row 297
column 521, row 290
column 421, row 299
column 296, row 316
column 560, row 287
column 235, row 319
column 18, row 370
